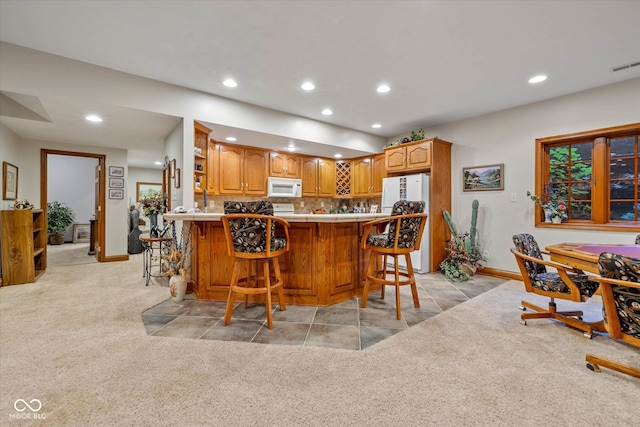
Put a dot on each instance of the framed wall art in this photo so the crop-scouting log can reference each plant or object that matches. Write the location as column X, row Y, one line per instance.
column 117, row 171
column 176, row 178
column 9, row 181
column 116, row 193
column 81, row 233
column 483, row 178
column 144, row 189
column 116, row 182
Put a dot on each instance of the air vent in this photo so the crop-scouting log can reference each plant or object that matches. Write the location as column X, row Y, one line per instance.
column 625, row 66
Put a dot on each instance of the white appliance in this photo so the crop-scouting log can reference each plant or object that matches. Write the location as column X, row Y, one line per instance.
column 413, row 188
column 284, row 187
column 280, row 209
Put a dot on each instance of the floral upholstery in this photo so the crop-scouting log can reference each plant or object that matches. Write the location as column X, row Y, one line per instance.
column 249, row 234
column 638, row 239
column 627, row 299
column 549, row 281
column 409, row 227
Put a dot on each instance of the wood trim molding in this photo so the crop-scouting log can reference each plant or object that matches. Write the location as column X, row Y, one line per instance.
column 116, row 258
column 494, row 272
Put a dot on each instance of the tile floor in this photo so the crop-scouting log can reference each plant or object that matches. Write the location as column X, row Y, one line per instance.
column 344, row 326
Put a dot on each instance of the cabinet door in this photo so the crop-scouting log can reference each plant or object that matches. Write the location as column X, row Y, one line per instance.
column 395, row 159
column 326, row 178
column 377, row 174
column 292, row 166
column 277, row 164
column 309, row 177
column 213, row 168
column 256, row 171
column 419, row 156
column 361, row 173
column 231, row 179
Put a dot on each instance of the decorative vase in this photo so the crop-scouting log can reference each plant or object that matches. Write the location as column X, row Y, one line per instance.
column 556, row 220
column 153, row 231
column 547, row 215
column 177, row 287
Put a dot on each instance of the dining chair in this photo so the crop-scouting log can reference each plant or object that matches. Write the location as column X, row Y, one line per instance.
column 638, row 239
column 566, row 283
column 621, row 305
column 250, row 233
column 406, row 225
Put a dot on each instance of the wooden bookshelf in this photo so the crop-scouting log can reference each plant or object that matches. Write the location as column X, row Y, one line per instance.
column 24, row 245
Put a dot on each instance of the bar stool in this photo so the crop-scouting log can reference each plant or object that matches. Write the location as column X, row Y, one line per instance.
column 406, row 224
column 250, row 232
column 152, row 260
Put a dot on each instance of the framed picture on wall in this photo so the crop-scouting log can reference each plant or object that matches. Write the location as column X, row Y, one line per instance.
column 176, row 178
column 116, row 171
column 9, row 181
column 145, row 189
column 483, row 178
column 81, row 233
column 116, row 193
column 116, row 182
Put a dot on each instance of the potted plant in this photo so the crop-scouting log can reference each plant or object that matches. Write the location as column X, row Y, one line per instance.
column 59, row 217
column 176, row 261
column 151, row 205
column 554, row 211
column 463, row 252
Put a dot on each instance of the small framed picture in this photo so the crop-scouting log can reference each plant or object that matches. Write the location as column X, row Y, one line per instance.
column 116, row 182
column 81, row 233
column 116, row 171
column 483, row 178
column 172, row 168
column 116, row 193
column 9, row 181
column 374, row 209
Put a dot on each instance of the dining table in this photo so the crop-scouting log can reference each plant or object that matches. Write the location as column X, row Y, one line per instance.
column 585, row 255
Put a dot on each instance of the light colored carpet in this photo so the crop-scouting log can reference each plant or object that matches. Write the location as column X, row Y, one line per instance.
column 75, row 341
column 69, row 254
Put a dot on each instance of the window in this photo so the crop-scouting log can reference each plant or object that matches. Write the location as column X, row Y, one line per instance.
column 595, row 173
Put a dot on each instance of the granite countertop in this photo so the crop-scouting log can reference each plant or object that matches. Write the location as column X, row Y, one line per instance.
column 289, row 217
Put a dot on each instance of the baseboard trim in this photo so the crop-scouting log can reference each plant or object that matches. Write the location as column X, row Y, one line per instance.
column 116, row 258
column 494, row 272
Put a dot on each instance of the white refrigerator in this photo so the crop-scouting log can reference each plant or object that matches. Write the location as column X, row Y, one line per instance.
column 413, row 188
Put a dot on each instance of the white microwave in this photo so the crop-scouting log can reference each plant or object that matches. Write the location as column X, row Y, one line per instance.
column 284, row 187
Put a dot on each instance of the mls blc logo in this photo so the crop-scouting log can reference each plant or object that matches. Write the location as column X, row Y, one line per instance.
column 21, row 405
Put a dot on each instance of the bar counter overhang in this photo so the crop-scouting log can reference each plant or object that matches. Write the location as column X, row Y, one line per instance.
column 324, row 265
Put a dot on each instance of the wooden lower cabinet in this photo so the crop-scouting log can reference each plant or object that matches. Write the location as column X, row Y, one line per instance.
column 24, row 245
column 322, row 267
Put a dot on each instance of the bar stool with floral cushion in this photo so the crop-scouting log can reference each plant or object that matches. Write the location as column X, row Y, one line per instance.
column 406, row 225
column 250, row 232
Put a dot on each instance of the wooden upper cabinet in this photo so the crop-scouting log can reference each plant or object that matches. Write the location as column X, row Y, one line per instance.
column 243, row 171
column 200, row 157
column 412, row 156
column 213, row 168
column 367, row 176
column 256, row 171
column 318, row 177
column 284, row 165
column 231, row 179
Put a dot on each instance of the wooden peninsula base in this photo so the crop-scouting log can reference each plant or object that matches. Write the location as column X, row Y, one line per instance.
column 324, row 265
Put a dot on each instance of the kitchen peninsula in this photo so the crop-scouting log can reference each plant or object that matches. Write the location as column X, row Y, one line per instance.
column 325, row 264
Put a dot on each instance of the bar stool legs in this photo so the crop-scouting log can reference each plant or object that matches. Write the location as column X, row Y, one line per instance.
column 251, row 286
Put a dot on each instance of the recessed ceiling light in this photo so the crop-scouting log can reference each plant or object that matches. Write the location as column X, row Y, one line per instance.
column 376, row 125
column 537, row 79
column 383, row 89
column 308, row 86
column 93, row 118
column 157, row 163
column 327, row 112
column 231, row 138
column 230, row 83
column 337, row 156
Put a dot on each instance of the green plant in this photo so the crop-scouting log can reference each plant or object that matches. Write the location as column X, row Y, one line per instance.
column 152, row 203
column 59, row 217
column 417, row 135
column 463, row 252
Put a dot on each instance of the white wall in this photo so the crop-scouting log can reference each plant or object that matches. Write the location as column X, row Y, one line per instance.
column 10, row 152
column 70, row 181
column 509, row 137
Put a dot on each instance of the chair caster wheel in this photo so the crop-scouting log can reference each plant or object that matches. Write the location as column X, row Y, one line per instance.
column 587, row 335
column 593, row 367
column 522, row 308
column 523, row 322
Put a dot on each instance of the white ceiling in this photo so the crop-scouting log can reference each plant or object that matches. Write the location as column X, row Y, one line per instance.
column 444, row 60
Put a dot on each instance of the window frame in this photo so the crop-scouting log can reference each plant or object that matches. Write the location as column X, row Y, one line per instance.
column 599, row 178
